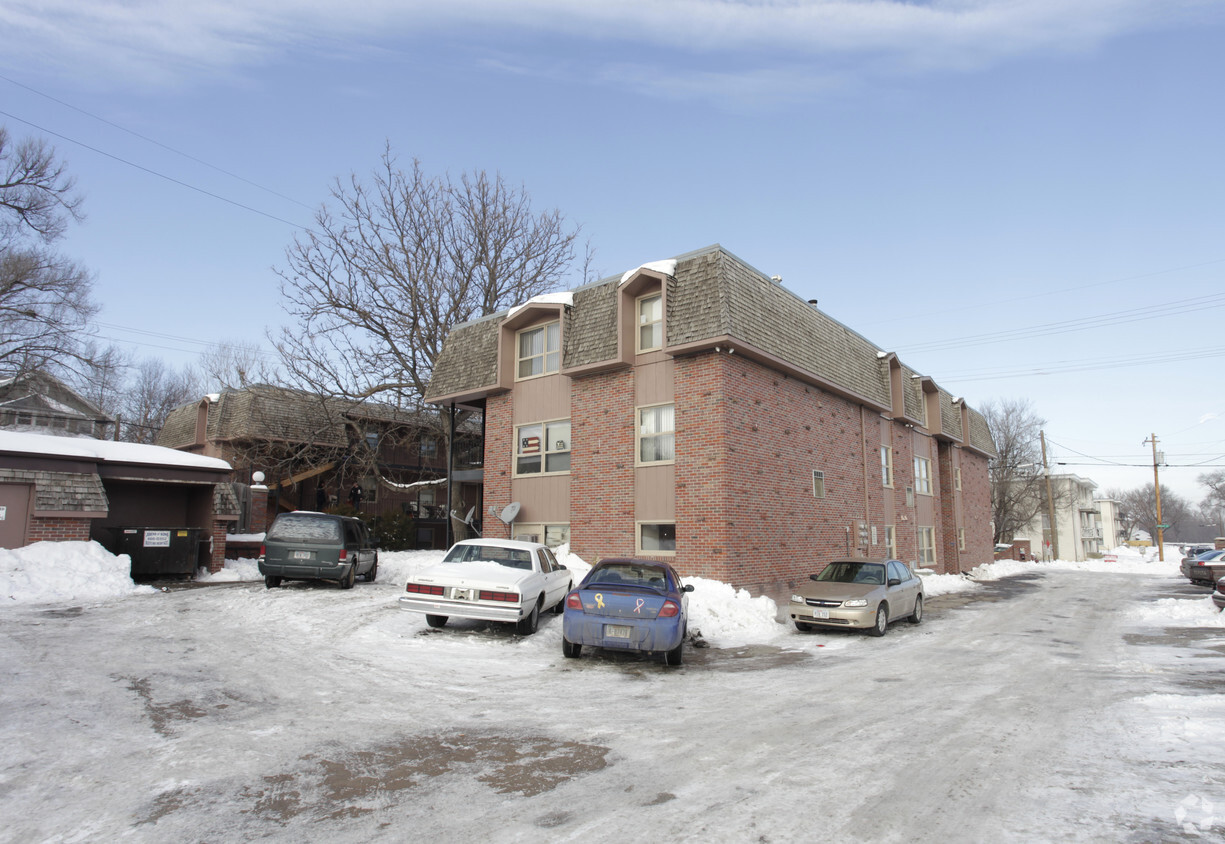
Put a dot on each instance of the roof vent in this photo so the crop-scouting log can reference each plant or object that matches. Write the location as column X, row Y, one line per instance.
column 777, row 279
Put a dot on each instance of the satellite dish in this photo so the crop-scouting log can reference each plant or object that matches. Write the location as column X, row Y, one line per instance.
column 509, row 512
column 471, row 513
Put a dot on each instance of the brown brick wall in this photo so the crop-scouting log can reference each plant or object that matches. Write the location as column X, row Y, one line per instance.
column 602, row 465
column 747, row 442
column 58, row 529
column 499, row 433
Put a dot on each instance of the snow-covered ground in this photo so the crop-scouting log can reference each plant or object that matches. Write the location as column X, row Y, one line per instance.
column 1070, row 701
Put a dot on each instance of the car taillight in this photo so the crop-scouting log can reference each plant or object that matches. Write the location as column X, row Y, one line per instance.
column 263, row 550
column 344, row 554
column 669, row 609
column 573, row 601
column 422, row 589
column 509, row 597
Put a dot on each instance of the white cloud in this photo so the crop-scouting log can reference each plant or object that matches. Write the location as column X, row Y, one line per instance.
column 177, row 40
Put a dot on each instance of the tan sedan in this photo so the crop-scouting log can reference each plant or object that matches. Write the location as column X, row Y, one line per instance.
column 861, row 594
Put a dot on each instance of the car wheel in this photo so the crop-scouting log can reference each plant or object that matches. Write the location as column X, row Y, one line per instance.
column 803, row 627
column 882, row 621
column 675, row 656
column 560, row 606
column 570, row 650
column 527, row 625
column 917, row 615
column 436, row 621
column 271, row 582
column 346, row 582
column 373, row 573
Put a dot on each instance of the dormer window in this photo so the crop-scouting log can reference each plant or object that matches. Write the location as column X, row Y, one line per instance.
column 650, row 323
column 540, row 350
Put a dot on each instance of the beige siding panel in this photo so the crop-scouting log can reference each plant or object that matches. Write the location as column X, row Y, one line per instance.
column 546, row 500
column 654, row 493
column 540, row 399
column 654, row 379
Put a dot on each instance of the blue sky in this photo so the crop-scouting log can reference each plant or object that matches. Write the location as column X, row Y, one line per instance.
column 1021, row 198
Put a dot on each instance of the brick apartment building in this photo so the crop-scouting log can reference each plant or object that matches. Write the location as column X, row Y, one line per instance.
column 697, row 411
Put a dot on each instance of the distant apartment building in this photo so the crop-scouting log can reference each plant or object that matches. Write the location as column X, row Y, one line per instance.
column 1080, row 531
column 696, row 410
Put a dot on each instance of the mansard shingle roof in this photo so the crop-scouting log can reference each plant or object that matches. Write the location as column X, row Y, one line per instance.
column 712, row 296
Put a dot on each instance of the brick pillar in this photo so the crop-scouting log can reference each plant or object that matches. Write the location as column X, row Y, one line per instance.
column 216, row 560
column 259, row 508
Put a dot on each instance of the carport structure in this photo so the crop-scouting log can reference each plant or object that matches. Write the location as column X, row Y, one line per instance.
column 69, row 488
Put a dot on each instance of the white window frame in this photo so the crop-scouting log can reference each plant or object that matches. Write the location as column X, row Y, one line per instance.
column 641, row 322
column 886, row 466
column 922, row 475
column 890, row 542
column 551, row 333
column 549, row 446
column 818, row 483
column 654, row 552
column 639, row 436
column 926, row 550
column 957, row 478
column 961, row 539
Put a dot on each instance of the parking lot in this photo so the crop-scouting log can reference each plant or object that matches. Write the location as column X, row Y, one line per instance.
column 1040, row 707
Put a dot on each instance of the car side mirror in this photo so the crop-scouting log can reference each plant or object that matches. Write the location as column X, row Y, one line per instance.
column 688, row 587
column 895, row 581
column 814, row 577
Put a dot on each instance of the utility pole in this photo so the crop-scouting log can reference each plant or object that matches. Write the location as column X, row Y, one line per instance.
column 1050, row 501
column 1157, row 492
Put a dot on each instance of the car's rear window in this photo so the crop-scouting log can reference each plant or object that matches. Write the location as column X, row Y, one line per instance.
column 515, row 558
column 633, row 574
column 289, row 527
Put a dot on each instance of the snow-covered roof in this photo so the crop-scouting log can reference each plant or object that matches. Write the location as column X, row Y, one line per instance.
column 564, row 297
column 105, row 450
column 667, row 267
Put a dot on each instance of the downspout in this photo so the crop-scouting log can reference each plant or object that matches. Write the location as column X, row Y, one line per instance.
column 450, row 480
column 863, row 438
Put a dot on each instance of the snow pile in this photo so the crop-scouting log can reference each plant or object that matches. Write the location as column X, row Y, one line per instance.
column 728, row 616
column 1121, row 560
column 242, row 569
column 1180, row 612
column 51, row 572
column 946, row 584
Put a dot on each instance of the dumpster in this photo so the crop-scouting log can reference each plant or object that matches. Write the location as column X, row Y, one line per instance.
column 160, row 552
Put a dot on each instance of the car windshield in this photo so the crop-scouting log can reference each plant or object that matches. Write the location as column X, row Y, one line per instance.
column 851, row 572
column 291, row 527
column 514, row 558
column 629, row 574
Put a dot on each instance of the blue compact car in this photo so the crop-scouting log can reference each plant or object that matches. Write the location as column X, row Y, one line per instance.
column 628, row 604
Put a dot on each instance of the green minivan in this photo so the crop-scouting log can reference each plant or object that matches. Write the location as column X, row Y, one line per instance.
column 305, row 545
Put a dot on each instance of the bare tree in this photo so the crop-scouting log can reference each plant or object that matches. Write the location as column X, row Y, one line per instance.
column 235, row 366
column 1018, row 489
column 1139, row 509
column 1214, row 501
column 153, row 392
column 379, row 281
column 45, row 305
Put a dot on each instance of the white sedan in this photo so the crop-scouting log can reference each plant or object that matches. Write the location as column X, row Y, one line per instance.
column 490, row 580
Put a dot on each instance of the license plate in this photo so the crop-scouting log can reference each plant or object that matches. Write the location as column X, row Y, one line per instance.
column 462, row 594
column 820, row 613
column 617, row 631
column 301, row 555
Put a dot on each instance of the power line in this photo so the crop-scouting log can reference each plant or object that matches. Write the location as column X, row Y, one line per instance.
column 155, row 142
column 1181, row 306
column 153, row 172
